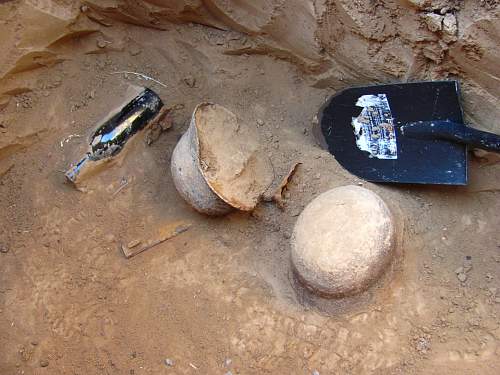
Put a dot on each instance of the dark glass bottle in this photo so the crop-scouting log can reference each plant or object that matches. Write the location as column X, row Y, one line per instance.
column 110, row 137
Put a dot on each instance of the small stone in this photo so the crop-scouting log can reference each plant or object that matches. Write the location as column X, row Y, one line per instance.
column 34, row 343
column 433, row 21
column 260, row 122
column 101, row 43
column 462, row 277
column 227, row 362
column 4, row 248
column 44, row 363
column 419, row 3
column 190, row 81
column 315, row 372
column 168, row 362
column 423, row 345
column 84, row 8
column 450, row 27
column 459, row 270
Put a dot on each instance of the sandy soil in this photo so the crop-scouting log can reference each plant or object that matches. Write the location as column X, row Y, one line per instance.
column 219, row 298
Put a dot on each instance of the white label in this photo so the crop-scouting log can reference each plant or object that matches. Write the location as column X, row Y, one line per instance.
column 374, row 127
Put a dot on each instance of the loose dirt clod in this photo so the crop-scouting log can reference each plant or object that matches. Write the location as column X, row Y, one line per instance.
column 168, row 362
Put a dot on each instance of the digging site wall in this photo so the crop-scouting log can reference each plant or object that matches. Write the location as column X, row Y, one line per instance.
column 336, row 43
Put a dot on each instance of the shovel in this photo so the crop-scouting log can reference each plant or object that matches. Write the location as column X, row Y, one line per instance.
column 402, row 133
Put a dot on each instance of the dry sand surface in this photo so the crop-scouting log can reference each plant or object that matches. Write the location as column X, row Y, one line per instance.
column 220, row 298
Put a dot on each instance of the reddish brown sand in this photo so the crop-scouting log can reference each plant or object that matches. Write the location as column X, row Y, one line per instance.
column 221, row 297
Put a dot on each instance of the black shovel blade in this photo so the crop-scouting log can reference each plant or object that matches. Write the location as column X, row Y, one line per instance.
column 360, row 126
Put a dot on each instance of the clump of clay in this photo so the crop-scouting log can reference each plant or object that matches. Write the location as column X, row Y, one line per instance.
column 342, row 241
column 218, row 164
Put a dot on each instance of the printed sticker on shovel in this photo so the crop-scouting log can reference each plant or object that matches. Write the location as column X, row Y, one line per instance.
column 374, row 127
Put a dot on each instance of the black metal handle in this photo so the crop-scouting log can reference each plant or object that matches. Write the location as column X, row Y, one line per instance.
column 452, row 131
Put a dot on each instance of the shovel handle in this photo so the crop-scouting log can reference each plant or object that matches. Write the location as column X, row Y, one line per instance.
column 452, row 131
